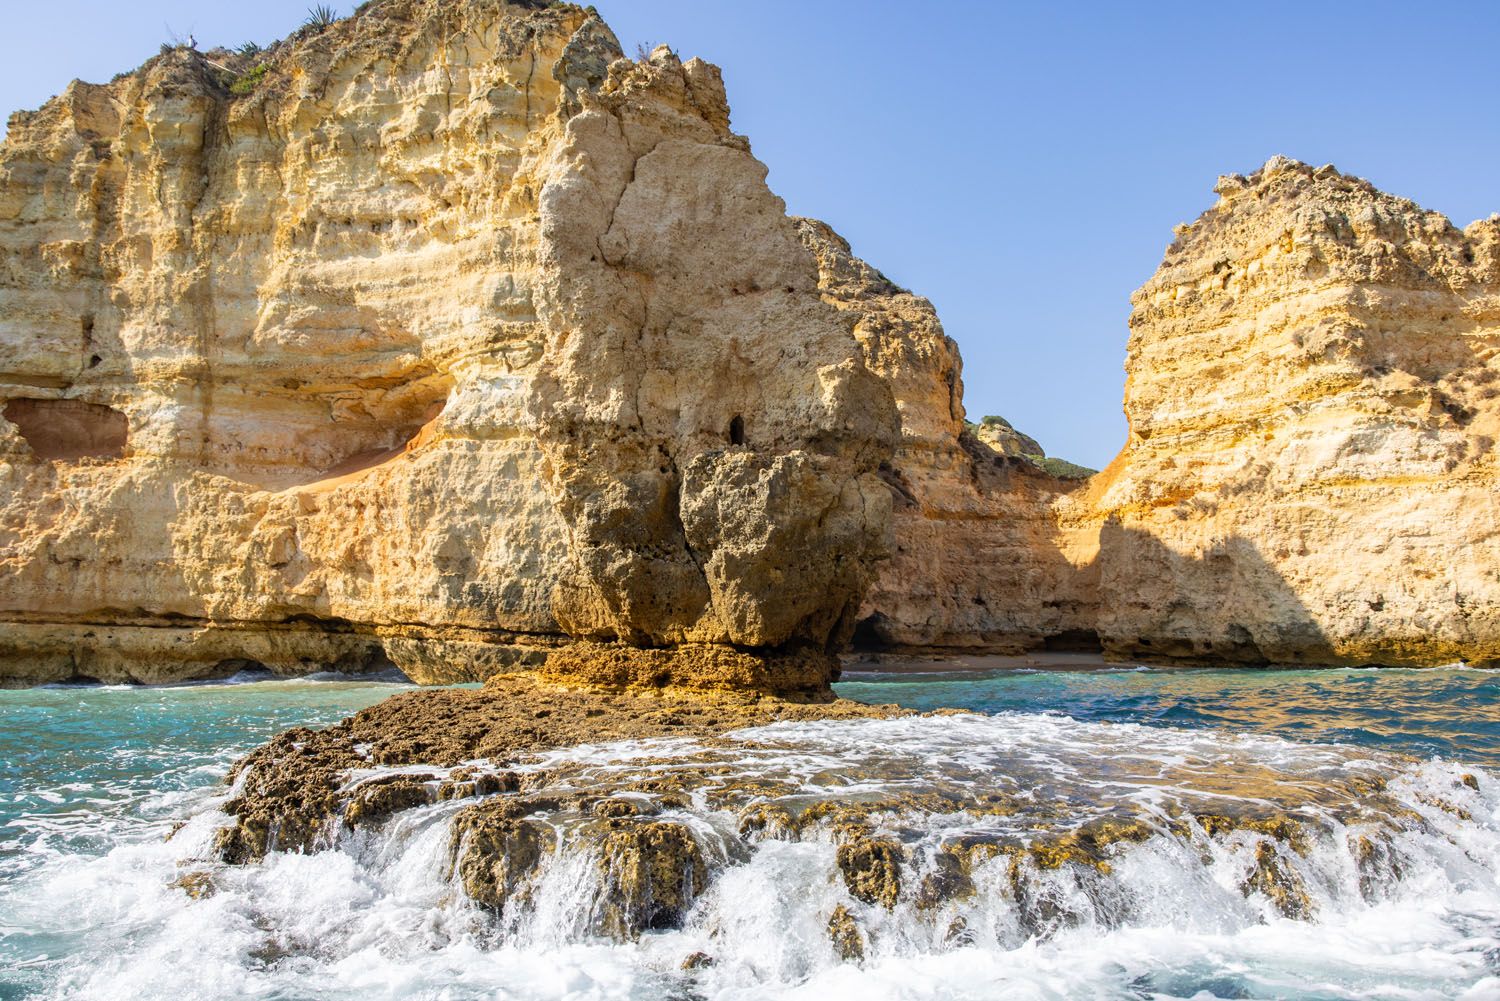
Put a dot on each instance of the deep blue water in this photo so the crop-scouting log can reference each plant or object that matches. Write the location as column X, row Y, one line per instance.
column 1448, row 713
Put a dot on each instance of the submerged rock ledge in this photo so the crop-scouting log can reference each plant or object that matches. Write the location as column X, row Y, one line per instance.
column 631, row 808
column 295, row 793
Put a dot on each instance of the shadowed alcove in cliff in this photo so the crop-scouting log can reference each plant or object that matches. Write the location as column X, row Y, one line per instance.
column 1229, row 604
column 333, row 437
column 1136, row 598
column 976, row 563
column 408, row 438
column 68, row 430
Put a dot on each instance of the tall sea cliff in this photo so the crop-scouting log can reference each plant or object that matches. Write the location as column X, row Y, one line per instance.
column 446, row 337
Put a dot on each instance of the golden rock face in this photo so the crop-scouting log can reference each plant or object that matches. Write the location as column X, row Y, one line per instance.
column 1313, row 409
column 977, row 558
column 445, row 336
column 449, row 335
column 1313, row 414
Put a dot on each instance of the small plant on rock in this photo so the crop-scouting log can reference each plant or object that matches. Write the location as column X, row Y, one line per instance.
column 320, row 17
column 250, row 50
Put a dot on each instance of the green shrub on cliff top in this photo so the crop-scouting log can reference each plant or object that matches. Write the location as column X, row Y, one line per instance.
column 1062, row 468
column 247, row 83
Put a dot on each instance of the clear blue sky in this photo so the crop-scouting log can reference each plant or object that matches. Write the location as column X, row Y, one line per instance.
column 1020, row 164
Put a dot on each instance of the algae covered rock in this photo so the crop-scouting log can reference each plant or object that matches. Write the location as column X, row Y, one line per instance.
column 871, row 868
column 494, row 852
column 652, row 873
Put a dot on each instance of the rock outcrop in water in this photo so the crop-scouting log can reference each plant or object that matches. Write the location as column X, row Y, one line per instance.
column 940, row 831
column 296, row 792
column 1313, row 408
column 443, row 335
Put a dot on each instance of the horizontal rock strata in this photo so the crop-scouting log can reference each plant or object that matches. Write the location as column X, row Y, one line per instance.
column 1313, row 405
column 436, row 337
column 1312, row 398
column 444, row 337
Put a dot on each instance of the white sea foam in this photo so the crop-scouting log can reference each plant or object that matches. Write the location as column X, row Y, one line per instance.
column 382, row 916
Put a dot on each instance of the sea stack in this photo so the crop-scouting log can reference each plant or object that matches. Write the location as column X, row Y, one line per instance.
column 1313, row 403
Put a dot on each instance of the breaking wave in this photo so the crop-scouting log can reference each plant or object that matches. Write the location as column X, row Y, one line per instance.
column 1022, row 855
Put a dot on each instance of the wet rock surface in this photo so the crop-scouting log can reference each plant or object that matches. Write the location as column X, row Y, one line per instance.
column 923, row 821
column 652, row 873
column 293, row 792
column 871, row 867
column 494, row 850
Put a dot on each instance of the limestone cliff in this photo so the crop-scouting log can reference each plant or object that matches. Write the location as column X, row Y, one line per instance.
column 1314, row 403
column 975, row 556
column 1310, row 476
column 445, row 337
column 436, row 337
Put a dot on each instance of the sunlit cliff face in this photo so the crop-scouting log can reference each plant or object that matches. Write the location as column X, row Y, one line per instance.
column 449, row 336
column 1312, row 401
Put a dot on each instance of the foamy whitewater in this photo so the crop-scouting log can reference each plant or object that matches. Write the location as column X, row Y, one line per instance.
column 91, row 904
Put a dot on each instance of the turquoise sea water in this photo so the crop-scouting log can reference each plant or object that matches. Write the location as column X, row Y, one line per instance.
column 93, row 781
column 79, row 763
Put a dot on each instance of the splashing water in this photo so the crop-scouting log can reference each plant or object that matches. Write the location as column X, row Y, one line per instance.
column 1028, row 855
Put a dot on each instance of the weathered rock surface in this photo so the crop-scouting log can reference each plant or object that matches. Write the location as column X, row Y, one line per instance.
column 446, row 337
column 1000, row 435
column 670, row 795
column 976, row 560
column 295, row 793
column 1310, row 472
column 1313, row 405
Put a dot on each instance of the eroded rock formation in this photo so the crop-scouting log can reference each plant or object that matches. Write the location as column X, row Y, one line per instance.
column 446, row 337
column 976, row 561
column 442, row 335
column 1314, row 403
column 1310, row 474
